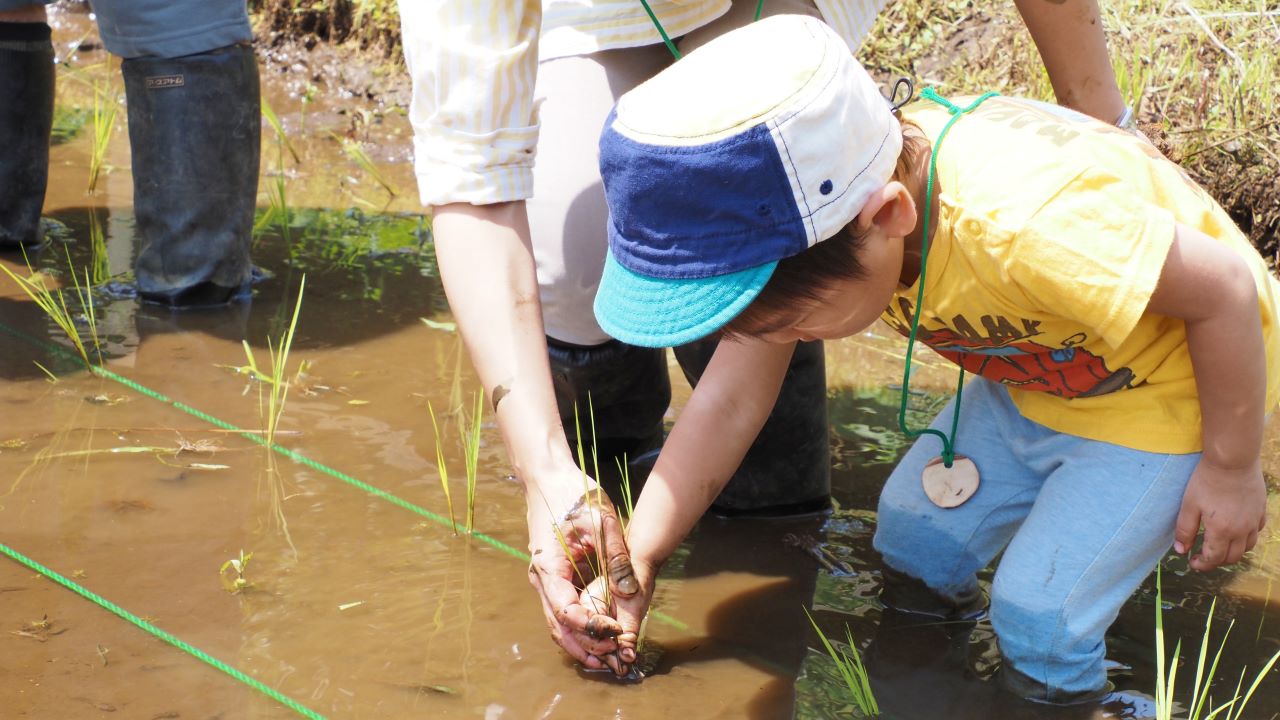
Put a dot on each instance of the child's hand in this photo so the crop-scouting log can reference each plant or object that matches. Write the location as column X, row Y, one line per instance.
column 1232, row 506
column 629, row 612
column 564, row 551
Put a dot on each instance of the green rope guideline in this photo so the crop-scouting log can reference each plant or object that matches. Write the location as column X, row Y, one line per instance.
column 292, row 455
column 84, row 592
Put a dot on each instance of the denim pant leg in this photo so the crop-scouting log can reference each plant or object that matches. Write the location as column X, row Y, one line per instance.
column 945, row 548
column 171, row 28
column 1103, row 519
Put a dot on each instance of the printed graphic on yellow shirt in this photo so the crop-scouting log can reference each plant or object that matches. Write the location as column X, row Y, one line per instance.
column 1003, row 352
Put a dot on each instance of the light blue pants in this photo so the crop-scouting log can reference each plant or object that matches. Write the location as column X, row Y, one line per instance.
column 1081, row 524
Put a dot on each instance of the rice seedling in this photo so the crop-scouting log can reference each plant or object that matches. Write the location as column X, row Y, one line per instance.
column 101, row 262
column 235, row 581
column 53, row 302
column 471, row 455
column 1166, row 681
column 444, row 468
column 277, row 198
column 104, row 121
column 279, row 353
column 355, row 152
column 274, row 121
column 852, row 671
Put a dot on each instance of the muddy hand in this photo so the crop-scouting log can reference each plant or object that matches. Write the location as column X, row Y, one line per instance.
column 565, row 553
column 631, row 611
column 597, row 597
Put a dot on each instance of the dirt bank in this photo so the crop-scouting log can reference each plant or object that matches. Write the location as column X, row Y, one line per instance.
column 1201, row 81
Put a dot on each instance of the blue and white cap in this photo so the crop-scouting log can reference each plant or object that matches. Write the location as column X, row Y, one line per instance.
column 750, row 149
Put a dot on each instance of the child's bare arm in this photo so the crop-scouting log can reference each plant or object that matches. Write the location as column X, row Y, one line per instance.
column 713, row 433
column 1073, row 46
column 1212, row 290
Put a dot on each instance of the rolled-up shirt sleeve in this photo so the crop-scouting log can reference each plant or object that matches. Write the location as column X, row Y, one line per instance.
column 475, row 129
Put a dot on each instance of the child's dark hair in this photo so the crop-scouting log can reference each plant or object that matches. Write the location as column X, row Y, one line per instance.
column 798, row 283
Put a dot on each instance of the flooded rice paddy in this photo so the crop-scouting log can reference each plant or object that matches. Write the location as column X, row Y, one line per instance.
column 358, row 607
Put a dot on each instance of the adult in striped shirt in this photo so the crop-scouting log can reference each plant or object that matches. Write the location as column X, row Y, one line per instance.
column 521, row 246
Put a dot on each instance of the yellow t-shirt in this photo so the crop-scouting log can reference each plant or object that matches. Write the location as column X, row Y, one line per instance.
column 1052, row 233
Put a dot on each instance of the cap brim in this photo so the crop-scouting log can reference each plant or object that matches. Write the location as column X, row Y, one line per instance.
column 661, row 312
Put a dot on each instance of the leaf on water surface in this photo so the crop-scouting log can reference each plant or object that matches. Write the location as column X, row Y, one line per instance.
column 13, row 444
column 437, row 325
column 357, row 402
column 105, row 399
column 348, row 606
column 208, row 466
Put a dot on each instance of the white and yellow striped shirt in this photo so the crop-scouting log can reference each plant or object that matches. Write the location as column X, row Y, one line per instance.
column 473, row 64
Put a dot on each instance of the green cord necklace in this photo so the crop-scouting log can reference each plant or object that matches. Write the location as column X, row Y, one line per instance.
column 950, row 479
column 663, row 32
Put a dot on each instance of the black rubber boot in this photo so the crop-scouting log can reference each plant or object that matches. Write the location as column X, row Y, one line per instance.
column 787, row 471
column 26, row 117
column 629, row 391
column 194, row 130
column 909, row 595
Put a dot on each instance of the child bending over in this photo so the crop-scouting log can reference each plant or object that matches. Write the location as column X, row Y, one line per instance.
column 1118, row 331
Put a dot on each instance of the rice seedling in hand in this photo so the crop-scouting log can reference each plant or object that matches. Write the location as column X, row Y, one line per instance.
column 104, row 122
column 444, row 469
column 849, row 665
column 1166, row 681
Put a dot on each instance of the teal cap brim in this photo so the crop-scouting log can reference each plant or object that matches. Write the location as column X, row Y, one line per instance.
column 660, row 312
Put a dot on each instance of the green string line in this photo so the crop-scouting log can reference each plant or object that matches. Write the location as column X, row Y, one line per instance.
column 299, row 457
column 84, row 592
column 661, row 30
column 948, row 442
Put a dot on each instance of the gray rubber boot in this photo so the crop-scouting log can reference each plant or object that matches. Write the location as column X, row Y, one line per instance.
column 629, row 391
column 787, row 471
column 26, row 117
column 194, row 131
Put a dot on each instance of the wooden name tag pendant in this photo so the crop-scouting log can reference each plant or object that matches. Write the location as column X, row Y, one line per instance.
column 949, row 487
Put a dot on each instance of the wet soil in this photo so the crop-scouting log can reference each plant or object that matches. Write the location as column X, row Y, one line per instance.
column 357, row 607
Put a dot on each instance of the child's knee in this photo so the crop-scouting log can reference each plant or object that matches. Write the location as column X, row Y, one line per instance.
column 1055, row 659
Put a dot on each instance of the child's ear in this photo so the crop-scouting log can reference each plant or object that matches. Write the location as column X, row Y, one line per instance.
column 891, row 208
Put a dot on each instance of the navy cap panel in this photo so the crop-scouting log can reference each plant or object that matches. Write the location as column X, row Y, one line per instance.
column 678, row 211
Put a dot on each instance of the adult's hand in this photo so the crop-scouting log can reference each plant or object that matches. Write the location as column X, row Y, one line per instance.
column 487, row 266
column 574, row 542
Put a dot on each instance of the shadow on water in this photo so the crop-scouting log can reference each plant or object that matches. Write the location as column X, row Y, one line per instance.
column 369, row 275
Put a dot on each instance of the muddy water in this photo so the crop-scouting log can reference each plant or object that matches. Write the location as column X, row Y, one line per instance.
column 360, row 608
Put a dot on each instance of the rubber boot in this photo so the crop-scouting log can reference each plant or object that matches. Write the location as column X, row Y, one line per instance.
column 26, row 117
column 628, row 391
column 787, row 471
column 194, row 130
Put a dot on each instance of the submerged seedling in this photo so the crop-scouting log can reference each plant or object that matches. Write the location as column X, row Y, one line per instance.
column 235, row 581
column 852, row 671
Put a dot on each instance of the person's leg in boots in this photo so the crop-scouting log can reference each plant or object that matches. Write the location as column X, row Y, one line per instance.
column 191, row 83
column 26, row 116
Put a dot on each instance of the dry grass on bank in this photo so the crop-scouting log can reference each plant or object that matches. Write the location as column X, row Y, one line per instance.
column 1201, row 75
column 371, row 24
